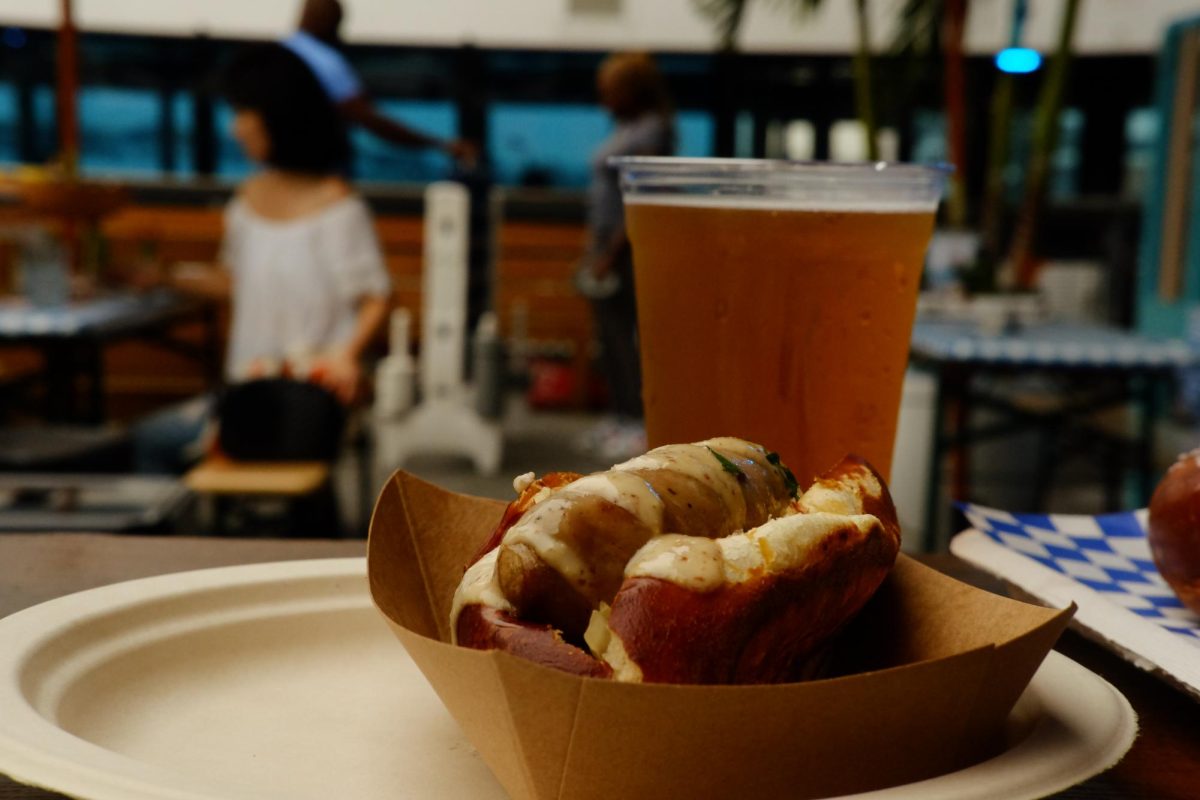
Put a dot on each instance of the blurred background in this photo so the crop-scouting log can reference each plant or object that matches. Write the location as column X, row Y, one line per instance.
column 521, row 82
column 1053, row 371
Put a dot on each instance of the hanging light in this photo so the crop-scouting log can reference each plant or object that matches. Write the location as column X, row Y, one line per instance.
column 1018, row 60
column 1015, row 59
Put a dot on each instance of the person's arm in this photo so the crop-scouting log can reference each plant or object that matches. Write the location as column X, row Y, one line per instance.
column 614, row 250
column 361, row 111
column 203, row 280
column 209, row 281
column 372, row 312
column 340, row 369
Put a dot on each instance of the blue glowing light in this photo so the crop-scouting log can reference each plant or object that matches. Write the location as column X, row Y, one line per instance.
column 1018, row 60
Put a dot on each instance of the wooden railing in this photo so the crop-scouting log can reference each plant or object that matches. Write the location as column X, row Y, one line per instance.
column 532, row 291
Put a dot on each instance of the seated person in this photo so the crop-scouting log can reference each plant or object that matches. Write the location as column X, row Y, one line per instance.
column 300, row 260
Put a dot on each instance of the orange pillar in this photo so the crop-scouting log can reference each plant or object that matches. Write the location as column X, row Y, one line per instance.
column 67, row 88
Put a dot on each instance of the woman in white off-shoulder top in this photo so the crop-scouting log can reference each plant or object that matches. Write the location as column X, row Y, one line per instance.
column 300, row 260
column 307, row 291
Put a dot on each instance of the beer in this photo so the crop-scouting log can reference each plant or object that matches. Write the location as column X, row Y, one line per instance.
column 780, row 322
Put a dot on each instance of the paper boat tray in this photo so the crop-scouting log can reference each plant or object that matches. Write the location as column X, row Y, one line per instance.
column 931, row 669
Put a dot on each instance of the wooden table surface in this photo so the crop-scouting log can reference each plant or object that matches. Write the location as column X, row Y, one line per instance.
column 1164, row 763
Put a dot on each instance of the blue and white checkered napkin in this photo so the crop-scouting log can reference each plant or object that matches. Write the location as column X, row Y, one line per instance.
column 1103, row 565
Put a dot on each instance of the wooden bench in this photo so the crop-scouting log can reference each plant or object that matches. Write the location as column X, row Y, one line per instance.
column 218, row 475
column 304, row 487
column 533, row 290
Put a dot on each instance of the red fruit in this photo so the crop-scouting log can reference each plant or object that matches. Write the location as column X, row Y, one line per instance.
column 1174, row 529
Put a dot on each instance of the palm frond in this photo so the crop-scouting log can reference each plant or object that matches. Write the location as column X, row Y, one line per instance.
column 918, row 28
column 727, row 18
column 728, row 15
column 801, row 8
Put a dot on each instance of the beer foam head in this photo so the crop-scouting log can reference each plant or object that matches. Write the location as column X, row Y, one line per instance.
column 781, row 185
column 881, row 205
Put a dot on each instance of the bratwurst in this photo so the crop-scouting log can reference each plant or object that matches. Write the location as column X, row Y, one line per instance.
column 693, row 563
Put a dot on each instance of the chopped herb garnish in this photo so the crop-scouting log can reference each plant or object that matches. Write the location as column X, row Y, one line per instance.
column 789, row 480
column 727, row 465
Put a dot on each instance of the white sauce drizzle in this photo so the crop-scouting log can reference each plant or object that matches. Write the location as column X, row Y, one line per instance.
column 523, row 482
column 693, row 562
column 610, row 649
column 695, row 461
column 843, row 497
column 785, row 543
column 624, row 490
column 478, row 587
column 702, row 565
column 538, row 528
column 738, row 447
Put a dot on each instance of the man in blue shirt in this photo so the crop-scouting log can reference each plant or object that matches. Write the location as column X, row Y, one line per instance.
column 315, row 44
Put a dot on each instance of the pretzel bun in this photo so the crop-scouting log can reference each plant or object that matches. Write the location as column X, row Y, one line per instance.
column 690, row 564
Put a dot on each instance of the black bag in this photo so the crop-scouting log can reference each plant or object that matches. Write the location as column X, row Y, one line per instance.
column 279, row 419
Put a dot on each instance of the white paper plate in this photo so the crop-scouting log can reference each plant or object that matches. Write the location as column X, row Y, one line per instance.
column 282, row 680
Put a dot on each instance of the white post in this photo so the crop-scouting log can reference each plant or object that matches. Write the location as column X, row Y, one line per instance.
column 444, row 288
column 396, row 372
column 445, row 421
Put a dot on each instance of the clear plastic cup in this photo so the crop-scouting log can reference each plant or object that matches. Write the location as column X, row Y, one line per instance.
column 776, row 300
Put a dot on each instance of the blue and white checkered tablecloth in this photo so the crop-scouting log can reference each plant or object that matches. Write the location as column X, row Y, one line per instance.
column 1103, row 565
column 1048, row 345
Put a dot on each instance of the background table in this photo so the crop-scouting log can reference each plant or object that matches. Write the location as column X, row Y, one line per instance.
column 1085, row 368
column 1164, row 763
column 67, row 502
column 72, row 337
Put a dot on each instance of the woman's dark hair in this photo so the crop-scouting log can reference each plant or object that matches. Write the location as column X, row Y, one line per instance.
column 306, row 130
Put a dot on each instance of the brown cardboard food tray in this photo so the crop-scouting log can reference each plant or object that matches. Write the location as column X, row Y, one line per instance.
column 930, row 670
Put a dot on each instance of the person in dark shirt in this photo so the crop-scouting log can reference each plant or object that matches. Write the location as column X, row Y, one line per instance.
column 633, row 91
column 316, row 43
